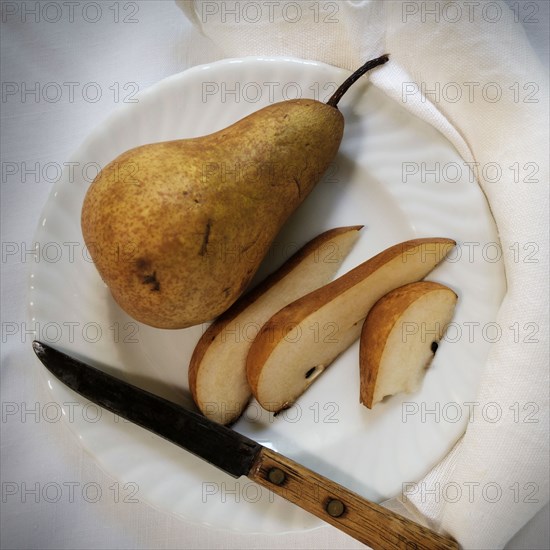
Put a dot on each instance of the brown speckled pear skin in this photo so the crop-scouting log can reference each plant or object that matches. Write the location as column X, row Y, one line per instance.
column 178, row 229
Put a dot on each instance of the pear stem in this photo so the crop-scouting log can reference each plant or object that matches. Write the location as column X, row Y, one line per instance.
column 337, row 95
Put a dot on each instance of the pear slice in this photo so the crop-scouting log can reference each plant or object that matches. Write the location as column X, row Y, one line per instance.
column 400, row 337
column 302, row 339
column 217, row 371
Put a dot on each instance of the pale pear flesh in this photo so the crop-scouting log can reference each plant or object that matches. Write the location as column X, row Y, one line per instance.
column 217, row 371
column 287, row 355
column 400, row 337
column 178, row 229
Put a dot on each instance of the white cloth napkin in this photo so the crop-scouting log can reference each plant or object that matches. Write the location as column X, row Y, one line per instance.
column 480, row 50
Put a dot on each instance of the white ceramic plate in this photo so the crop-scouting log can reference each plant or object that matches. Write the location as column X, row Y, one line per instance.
column 371, row 452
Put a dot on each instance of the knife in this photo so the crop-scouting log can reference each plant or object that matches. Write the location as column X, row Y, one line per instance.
column 238, row 455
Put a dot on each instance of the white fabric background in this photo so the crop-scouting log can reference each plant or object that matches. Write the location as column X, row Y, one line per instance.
column 35, row 451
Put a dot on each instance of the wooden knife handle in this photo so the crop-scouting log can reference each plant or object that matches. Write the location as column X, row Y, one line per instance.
column 365, row 521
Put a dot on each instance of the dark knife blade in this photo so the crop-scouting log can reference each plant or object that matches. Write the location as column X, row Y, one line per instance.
column 238, row 455
column 221, row 446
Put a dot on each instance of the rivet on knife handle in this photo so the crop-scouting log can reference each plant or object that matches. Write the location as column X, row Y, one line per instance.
column 365, row 521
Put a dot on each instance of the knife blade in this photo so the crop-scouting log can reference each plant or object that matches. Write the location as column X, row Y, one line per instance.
column 238, row 455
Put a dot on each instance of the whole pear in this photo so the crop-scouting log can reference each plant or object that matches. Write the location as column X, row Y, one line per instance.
column 177, row 229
